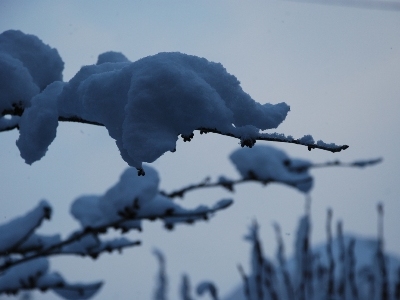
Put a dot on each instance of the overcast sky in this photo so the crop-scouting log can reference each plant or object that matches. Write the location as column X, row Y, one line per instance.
column 337, row 67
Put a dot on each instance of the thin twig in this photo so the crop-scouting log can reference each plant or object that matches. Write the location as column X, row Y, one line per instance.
column 275, row 138
column 229, row 184
column 224, row 184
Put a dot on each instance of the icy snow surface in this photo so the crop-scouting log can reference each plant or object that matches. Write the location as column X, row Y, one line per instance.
column 267, row 163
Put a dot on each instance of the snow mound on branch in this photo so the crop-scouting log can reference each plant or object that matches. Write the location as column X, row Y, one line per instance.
column 27, row 66
column 16, row 83
column 38, row 124
column 18, row 230
column 269, row 164
column 43, row 62
column 35, row 274
column 147, row 104
column 135, row 198
column 132, row 191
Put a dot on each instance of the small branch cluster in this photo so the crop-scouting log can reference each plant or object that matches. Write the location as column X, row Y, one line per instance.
column 313, row 272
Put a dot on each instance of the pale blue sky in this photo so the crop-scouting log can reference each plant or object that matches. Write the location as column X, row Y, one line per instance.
column 337, row 67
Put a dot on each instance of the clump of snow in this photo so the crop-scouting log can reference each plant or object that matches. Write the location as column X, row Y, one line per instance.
column 37, row 242
column 307, row 139
column 78, row 291
column 111, row 57
column 27, row 66
column 129, row 194
column 43, row 62
column 35, row 274
column 147, row 104
column 38, row 124
column 269, row 164
column 23, row 275
column 16, row 83
column 133, row 199
column 323, row 144
column 15, row 232
column 6, row 122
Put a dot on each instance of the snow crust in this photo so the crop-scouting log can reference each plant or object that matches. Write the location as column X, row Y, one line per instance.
column 267, row 164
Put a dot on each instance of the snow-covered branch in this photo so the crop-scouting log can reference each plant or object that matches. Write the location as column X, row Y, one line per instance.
column 35, row 274
column 248, row 139
column 265, row 165
column 145, row 105
column 96, row 214
column 17, row 231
